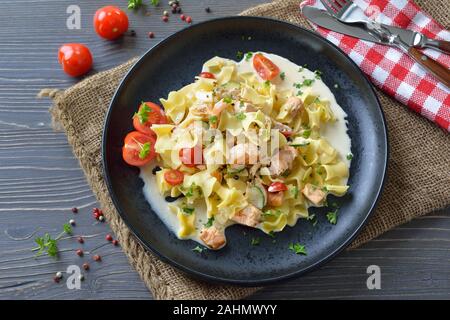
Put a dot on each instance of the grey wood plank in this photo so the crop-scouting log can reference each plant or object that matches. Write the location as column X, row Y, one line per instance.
column 40, row 180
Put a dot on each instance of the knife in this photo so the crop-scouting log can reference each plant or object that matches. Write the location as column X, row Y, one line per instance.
column 405, row 39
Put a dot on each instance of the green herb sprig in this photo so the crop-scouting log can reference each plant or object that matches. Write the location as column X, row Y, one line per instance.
column 48, row 244
column 297, row 248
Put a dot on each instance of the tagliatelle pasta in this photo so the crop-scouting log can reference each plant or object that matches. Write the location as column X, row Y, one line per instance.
column 246, row 146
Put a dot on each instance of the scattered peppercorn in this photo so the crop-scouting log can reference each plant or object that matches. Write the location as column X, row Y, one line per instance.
column 56, row 279
column 80, row 239
column 101, row 218
column 59, row 275
column 115, row 242
column 151, row 35
column 97, row 257
column 166, row 13
column 174, row 10
column 72, row 222
column 79, row 252
column 179, row 10
column 208, row 9
column 75, row 210
column 109, row 237
column 86, row 266
column 183, row 17
column 165, row 18
column 81, row 277
column 188, row 19
column 132, row 33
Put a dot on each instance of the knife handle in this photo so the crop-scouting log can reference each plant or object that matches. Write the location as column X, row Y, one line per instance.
column 440, row 71
column 442, row 45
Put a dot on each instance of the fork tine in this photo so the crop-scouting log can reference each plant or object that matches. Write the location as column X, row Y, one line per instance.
column 328, row 7
column 341, row 2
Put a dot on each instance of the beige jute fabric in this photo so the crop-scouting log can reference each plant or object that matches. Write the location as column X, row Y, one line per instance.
column 418, row 179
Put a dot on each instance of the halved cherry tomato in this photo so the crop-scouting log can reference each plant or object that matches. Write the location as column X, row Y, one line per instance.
column 110, row 22
column 286, row 133
column 208, row 75
column 148, row 114
column 138, row 149
column 190, row 157
column 277, row 186
column 174, row 177
column 264, row 67
column 75, row 58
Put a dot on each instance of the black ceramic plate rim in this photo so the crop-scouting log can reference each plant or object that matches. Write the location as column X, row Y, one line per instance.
column 217, row 279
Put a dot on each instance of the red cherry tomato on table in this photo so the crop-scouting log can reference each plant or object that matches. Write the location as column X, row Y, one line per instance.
column 138, row 149
column 264, row 67
column 110, row 22
column 190, row 157
column 277, row 186
column 75, row 58
column 174, row 177
column 207, row 75
column 148, row 114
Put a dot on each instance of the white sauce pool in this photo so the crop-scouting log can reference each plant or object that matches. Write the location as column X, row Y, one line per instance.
column 334, row 133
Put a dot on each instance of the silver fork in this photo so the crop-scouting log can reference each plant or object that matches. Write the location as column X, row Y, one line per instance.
column 348, row 12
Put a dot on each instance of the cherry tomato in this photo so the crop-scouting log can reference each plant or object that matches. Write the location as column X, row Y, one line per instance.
column 75, row 58
column 148, row 114
column 286, row 133
column 110, row 22
column 264, row 67
column 207, row 75
column 134, row 150
column 277, row 186
column 190, row 157
column 174, row 177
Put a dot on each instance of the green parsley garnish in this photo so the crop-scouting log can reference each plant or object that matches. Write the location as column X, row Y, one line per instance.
column 267, row 83
column 313, row 219
column 239, row 55
column 298, row 248
column 282, row 76
column 213, row 119
column 145, row 150
column 143, row 112
column 318, row 74
column 50, row 245
column 188, row 210
column 227, row 100
column 240, row 116
column 332, row 216
column 271, row 213
column 308, row 82
column 134, row 4
column 210, row 222
column 198, row 249
column 248, row 56
column 154, row 2
column 349, row 156
column 306, row 133
column 256, row 241
column 294, row 191
column 271, row 234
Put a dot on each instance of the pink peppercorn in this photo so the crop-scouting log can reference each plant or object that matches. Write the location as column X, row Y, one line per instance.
column 183, row 17
column 165, row 18
column 151, row 34
column 86, row 266
column 79, row 252
column 109, row 237
column 80, row 239
column 97, row 258
column 75, row 210
column 188, row 19
column 115, row 242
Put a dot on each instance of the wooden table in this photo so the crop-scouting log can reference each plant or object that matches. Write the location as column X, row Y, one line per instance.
column 40, row 180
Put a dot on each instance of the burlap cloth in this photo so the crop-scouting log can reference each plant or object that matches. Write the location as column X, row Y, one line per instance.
column 418, row 181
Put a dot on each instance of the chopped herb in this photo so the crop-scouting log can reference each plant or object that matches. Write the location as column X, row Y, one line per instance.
column 271, row 234
column 134, row 4
column 240, row 116
column 198, row 249
column 334, row 205
column 282, row 76
column 154, row 2
column 313, row 219
column 308, row 82
column 318, row 74
column 271, row 213
column 306, row 133
column 316, row 100
column 298, row 248
column 145, row 150
column 294, row 191
column 349, row 156
column 332, row 216
column 213, row 119
column 256, row 241
column 299, row 92
column 239, row 55
column 143, row 112
column 227, row 100
column 286, row 173
column 248, row 55
column 188, row 210
column 305, row 65
column 210, row 222
column 267, row 83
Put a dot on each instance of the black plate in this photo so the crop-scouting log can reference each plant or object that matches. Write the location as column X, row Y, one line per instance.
column 172, row 64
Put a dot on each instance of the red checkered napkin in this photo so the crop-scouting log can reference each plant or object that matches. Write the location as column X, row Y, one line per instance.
column 391, row 69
